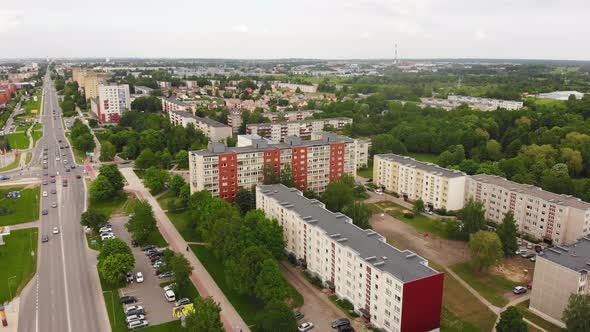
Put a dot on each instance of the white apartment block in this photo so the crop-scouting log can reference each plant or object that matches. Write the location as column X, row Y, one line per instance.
column 544, row 215
column 113, row 100
column 314, row 164
column 216, row 131
column 363, row 146
column 560, row 272
column 169, row 105
column 438, row 187
column 289, row 116
column 278, row 131
column 396, row 290
column 302, row 87
column 486, row 104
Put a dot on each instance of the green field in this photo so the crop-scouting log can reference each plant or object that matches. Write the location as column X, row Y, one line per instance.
column 524, row 309
column 365, row 173
column 36, row 136
column 19, row 210
column 18, row 141
column 18, row 265
column 419, row 221
column 491, row 287
column 38, row 126
column 180, row 220
column 118, row 205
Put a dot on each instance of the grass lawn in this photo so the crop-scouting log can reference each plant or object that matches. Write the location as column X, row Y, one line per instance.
column 425, row 157
column 172, row 326
column 191, row 292
column 12, row 165
column 18, row 141
column 36, row 135
column 117, row 205
column 28, row 158
column 18, row 265
column 490, row 286
column 21, row 128
column 524, row 309
column 419, row 221
column 180, row 220
column 20, row 210
column 365, row 173
column 38, row 126
column 114, row 308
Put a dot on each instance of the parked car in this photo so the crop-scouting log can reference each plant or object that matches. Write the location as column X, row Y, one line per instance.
column 529, row 246
column 170, row 287
column 139, row 277
column 54, row 204
column 44, row 238
column 129, row 277
column 520, row 252
column 340, row 322
column 169, row 295
column 132, row 318
column 519, row 290
column 107, row 237
column 137, row 324
column 299, row 315
column 166, row 275
column 134, row 243
column 148, row 247
column 55, row 230
column 182, row 301
column 305, row 327
column 105, row 229
column 345, row 328
column 527, row 255
column 44, row 212
column 538, row 248
column 128, row 299
column 134, row 310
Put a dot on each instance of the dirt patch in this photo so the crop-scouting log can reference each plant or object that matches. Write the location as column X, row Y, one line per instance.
column 516, row 269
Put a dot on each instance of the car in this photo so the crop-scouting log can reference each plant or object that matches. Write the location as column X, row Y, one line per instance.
column 520, row 252
column 105, row 229
column 139, row 277
column 65, row 183
column 59, row 140
column 529, row 285
column 72, row 166
column 129, row 277
column 53, row 191
column 345, row 328
column 169, row 295
column 533, row 259
column 519, row 290
column 4, row 177
column 538, row 248
column 132, row 318
column 55, row 230
column 57, row 158
column 299, row 315
column 134, row 243
column 45, row 182
column 170, row 287
column 378, row 192
column 52, row 176
column 52, row 180
column 65, row 161
column 151, row 252
column 107, row 237
column 107, row 234
column 67, row 169
column 166, row 275
column 44, row 212
column 519, row 242
column 54, row 204
column 137, row 324
column 128, row 299
column 61, row 147
column 182, row 301
column 44, row 238
column 133, row 309
column 529, row 246
column 78, row 176
column 305, row 327
column 44, row 194
column 527, row 255
column 148, row 247
column 340, row 322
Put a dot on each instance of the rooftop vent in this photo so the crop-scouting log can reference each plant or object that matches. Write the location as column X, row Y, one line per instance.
column 412, row 255
column 312, row 221
column 306, row 218
column 342, row 240
column 378, row 263
column 370, row 258
column 384, row 258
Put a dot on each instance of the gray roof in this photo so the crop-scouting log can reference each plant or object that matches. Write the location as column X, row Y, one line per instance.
column 427, row 167
column 268, row 125
column 177, row 102
column 370, row 245
column 575, row 256
column 207, row 121
column 262, row 145
column 558, row 199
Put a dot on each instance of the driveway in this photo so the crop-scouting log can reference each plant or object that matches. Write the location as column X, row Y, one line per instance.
column 149, row 293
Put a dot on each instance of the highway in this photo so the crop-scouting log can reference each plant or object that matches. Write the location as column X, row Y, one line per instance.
column 65, row 295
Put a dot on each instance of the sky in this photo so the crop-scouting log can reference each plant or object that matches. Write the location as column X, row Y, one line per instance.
column 327, row 29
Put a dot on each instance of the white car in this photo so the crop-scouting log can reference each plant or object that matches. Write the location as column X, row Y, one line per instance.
column 169, row 287
column 56, row 158
column 139, row 277
column 44, row 194
column 107, row 237
column 54, row 205
column 132, row 318
column 170, row 296
column 305, row 327
column 55, row 230
column 105, row 230
column 378, row 192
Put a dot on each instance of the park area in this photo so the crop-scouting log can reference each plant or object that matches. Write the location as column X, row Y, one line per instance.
column 19, row 261
column 18, row 141
column 18, row 209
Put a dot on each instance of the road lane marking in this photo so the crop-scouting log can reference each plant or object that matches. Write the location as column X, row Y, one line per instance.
column 63, row 257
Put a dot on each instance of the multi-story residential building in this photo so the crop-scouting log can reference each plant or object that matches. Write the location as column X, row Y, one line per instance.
column 438, row 187
column 234, row 120
column 113, row 100
column 169, row 104
column 216, row 131
column 395, row 289
column 278, row 131
column 555, row 218
column 560, row 272
column 560, row 95
column 362, row 151
column 289, row 116
column 302, row 87
column 486, row 104
column 248, row 140
column 6, row 92
column 92, row 83
column 314, row 164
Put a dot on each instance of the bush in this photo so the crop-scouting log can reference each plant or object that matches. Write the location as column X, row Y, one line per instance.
column 394, row 194
column 292, row 259
column 315, row 280
column 408, row 215
column 531, row 239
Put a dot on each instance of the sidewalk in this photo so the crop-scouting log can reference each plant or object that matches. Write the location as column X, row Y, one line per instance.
column 200, row 276
column 12, row 311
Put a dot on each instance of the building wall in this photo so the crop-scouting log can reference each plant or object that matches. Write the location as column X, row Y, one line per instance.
column 113, row 101
column 420, row 315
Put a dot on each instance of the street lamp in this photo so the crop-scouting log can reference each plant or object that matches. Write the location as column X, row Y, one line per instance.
column 9, row 290
column 113, row 305
column 31, row 243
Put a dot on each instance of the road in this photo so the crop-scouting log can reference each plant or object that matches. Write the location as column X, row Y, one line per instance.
column 65, row 295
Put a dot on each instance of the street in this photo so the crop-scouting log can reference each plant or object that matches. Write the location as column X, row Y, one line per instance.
column 65, row 295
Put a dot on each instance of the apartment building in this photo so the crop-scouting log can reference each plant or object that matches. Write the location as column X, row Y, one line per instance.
column 363, row 146
column 170, row 104
column 88, row 81
column 314, row 164
column 302, row 87
column 289, row 116
column 555, row 218
column 438, row 187
column 278, row 131
column 113, row 100
column 560, row 272
column 234, row 120
column 6, row 92
column 395, row 289
column 216, row 131
column 486, row 104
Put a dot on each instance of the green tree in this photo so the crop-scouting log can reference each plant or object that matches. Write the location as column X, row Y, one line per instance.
column 576, row 315
column 245, row 200
column 270, row 283
column 149, row 104
column 113, row 247
column 107, row 151
column 385, row 143
column 146, row 159
column 156, row 179
column 182, row 270
column 142, row 224
column 101, row 189
column 286, row 177
column 338, row 194
column 494, row 150
column 418, row 206
column 182, row 159
column 241, row 272
column 176, row 183
column 84, row 143
column 473, row 217
column 507, row 231
column 486, row 249
column 511, row 321
column 360, row 213
column 205, row 317
column 112, row 173
column 93, row 219
column 114, row 268
column 276, row 316
column 270, row 174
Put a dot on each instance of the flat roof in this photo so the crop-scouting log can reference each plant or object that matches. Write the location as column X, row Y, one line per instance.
column 209, row 122
column 371, row 246
column 528, row 189
column 575, row 256
column 177, row 102
column 262, row 125
column 428, row 167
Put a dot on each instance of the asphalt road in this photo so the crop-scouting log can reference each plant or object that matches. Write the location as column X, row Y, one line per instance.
column 65, row 295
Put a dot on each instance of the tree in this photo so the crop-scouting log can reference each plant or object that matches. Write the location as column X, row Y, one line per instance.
column 107, row 151
column 241, row 272
column 473, row 217
column 101, row 189
column 287, row 176
column 112, row 173
column 113, row 247
column 176, row 183
column 182, row 270
column 576, row 315
column 245, row 200
column 114, row 268
column 156, row 179
column 84, row 142
column 146, row 159
column 486, row 249
column 511, row 321
column 147, row 104
column 142, row 223
column 338, row 194
column 205, row 317
column 494, row 150
column 270, row 283
column 93, row 218
column 276, row 316
column 385, row 143
column 360, row 213
column 418, row 206
column 182, row 159
column 270, row 174
column 507, row 234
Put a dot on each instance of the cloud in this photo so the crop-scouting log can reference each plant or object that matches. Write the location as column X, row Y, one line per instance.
column 480, row 33
column 10, row 21
column 366, row 35
column 242, row 28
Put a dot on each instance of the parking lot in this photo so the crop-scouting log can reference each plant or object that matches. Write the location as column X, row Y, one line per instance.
column 149, row 294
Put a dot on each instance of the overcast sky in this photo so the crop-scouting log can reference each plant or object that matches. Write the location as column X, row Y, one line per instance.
column 531, row 29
